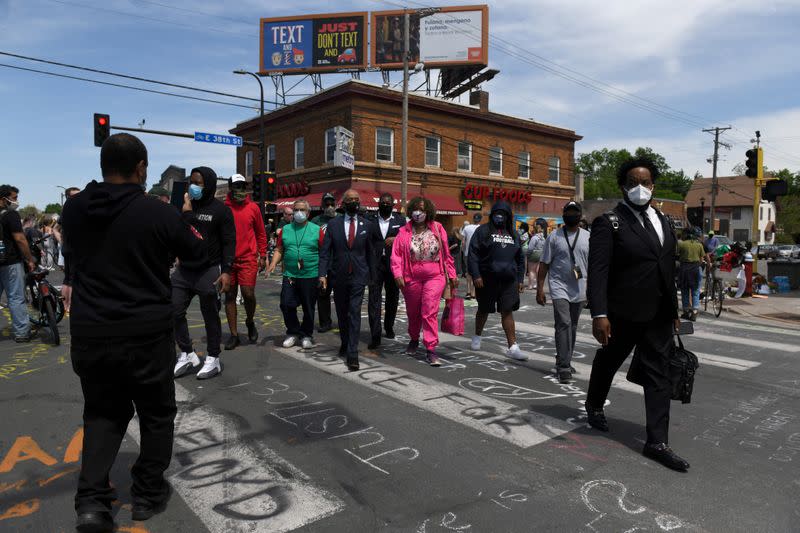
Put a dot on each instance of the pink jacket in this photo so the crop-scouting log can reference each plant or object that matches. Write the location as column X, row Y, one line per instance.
column 401, row 252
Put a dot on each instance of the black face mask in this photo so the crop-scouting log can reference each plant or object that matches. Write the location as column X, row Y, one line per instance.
column 351, row 207
column 385, row 210
column 572, row 220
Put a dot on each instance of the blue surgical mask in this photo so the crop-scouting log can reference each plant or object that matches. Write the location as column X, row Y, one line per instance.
column 195, row 191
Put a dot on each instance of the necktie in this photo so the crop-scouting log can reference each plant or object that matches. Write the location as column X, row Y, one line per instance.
column 351, row 233
column 648, row 226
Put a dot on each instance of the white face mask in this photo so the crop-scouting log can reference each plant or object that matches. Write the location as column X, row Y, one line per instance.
column 639, row 195
column 11, row 204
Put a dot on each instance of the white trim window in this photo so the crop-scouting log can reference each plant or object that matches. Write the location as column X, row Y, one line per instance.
column 384, row 144
column 330, row 145
column 465, row 156
column 299, row 152
column 271, row 158
column 248, row 165
column 524, row 161
column 554, row 169
column 496, row 160
column 433, row 151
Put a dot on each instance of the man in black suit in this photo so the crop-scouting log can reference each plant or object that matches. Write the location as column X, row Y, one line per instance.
column 633, row 299
column 346, row 257
column 385, row 227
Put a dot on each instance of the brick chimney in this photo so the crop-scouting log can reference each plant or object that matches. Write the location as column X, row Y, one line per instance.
column 480, row 99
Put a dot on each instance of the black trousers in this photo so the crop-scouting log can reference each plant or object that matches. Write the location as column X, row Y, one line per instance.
column 186, row 285
column 348, row 298
column 118, row 373
column 324, row 307
column 299, row 292
column 653, row 341
column 385, row 281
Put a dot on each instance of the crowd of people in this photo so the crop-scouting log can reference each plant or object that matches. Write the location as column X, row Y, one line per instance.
column 133, row 264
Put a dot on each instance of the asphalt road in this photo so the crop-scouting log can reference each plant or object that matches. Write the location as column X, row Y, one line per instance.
column 288, row 440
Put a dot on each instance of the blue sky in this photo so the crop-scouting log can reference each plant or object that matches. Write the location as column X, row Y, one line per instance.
column 707, row 62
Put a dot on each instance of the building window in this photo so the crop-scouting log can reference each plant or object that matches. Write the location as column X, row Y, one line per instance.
column 330, row 145
column 769, row 213
column 248, row 165
column 524, row 161
column 384, row 144
column 736, row 214
column 761, row 213
column 271, row 158
column 465, row 156
column 433, row 146
column 299, row 152
column 495, row 160
column 741, row 235
column 554, row 168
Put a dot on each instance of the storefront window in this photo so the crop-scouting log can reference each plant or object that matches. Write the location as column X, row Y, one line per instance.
column 432, row 151
column 524, row 165
column 248, row 165
column 465, row 156
column 271, row 158
column 330, row 145
column 299, row 152
column 384, row 144
column 554, row 168
column 495, row 160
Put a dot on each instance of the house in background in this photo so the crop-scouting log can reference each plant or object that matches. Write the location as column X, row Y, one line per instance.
column 733, row 210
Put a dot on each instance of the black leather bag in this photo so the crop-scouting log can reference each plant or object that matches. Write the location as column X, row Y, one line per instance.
column 683, row 365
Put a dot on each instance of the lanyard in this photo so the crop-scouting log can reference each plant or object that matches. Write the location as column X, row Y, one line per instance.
column 574, row 243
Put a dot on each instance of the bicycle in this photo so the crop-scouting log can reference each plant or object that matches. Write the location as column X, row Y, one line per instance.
column 46, row 302
column 714, row 290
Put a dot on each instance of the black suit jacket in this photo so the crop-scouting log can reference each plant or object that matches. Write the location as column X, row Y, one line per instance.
column 630, row 276
column 383, row 253
column 335, row 257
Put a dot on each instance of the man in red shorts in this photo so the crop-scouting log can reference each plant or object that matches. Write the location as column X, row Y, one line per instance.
column 251, row 256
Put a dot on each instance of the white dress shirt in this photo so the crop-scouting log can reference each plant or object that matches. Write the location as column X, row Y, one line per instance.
column 654, row 220
column 384, row 224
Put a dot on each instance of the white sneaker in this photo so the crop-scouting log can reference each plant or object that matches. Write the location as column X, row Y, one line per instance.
column 515, row 353
column 185, row 362
column 476, row 342
column 290, row 341
column 307, row 343
column 212, row 367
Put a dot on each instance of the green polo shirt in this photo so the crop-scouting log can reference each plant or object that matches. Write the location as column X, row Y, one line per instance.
column 301, row 242
column 690, row 251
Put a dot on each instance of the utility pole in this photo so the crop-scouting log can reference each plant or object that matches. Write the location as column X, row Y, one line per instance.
column 714, row 186
column 404, row 156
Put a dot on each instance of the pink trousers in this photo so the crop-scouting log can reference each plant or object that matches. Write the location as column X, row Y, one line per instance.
column 423, row 293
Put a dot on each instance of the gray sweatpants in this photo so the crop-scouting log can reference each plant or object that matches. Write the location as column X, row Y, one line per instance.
column 566, row 316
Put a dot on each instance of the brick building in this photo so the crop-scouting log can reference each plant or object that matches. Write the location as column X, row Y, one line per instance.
column 457, row 153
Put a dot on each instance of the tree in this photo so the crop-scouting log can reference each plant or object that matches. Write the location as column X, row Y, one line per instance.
column 28, row 210
column 53, row 209
column 788, row 207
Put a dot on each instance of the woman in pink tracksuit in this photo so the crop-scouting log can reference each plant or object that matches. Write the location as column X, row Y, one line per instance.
column 422, row 266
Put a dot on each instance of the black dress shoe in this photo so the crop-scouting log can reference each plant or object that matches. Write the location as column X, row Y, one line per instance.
column 389, row 333
column 375, row 343
column 324, row 329
column 352, row 364
column 564, row 376
column 232, row 342
column 596, row 418
column 252, row 332
column 95, row 522
column 664, row 455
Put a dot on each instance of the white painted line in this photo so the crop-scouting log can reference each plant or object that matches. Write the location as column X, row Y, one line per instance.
column 728, row 323
column 738, row 339
column 491, row 416
column 732, row 363
column 230, row 486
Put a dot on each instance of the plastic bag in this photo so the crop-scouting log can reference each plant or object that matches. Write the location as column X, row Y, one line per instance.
column 453, row 316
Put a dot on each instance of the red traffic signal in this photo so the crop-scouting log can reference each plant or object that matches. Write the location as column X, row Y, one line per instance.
column 102, row 128
column 271, row 180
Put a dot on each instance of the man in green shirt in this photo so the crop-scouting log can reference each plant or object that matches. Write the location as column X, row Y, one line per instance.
column 691, row 255
column 298, row 247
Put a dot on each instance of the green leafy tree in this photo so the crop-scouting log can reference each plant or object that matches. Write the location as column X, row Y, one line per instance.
column 28, row 210
column 788, row 207
column 53, row 209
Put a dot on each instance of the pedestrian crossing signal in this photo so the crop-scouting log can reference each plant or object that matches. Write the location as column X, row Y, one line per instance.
column 102, row 128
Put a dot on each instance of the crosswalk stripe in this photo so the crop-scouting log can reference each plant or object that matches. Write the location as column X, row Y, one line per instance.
column 231, row 487
column 722, row 361
column 756, row 343
column 506, row 421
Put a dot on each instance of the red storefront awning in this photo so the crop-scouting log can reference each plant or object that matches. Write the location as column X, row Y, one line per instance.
column 446, row 205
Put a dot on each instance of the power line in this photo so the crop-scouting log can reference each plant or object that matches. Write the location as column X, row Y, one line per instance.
column 124, row 86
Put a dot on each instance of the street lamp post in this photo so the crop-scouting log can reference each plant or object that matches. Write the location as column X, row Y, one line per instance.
column 703, row 213
column 261, row 144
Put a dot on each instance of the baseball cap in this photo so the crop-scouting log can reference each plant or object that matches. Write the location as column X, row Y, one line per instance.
column 237, row 178
column 573, row 206
column 328, row 196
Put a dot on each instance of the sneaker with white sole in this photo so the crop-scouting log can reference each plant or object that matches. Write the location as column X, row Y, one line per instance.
column 290, row 341
column 476, row 342
column 307, row 343
column 515, row 353
column 185, row 362
column 211, row 367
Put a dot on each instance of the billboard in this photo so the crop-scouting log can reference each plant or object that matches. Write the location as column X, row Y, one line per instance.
column 457, row 35
column 313, row 43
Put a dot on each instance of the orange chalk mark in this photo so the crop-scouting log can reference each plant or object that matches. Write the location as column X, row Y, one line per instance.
column 132, row 529
column 68, row 471
column 5, row 487
column 75, row 447
column 25, row 449
column 19, row 510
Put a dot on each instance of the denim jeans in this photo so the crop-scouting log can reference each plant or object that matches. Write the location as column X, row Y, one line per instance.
column 12, row 281
column 695, row 293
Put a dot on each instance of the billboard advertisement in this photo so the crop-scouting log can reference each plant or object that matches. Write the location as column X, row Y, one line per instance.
column 313, row 43
column 457, row 35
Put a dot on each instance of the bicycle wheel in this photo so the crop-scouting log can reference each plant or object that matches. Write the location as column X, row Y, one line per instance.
column 707, row 292
column 52, row 324
column 717, row 297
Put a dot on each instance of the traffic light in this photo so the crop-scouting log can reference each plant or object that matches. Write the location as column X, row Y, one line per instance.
column 755, row 163
column 773, row 189
column 102, row 128
column 270, row 186
column 258, row 187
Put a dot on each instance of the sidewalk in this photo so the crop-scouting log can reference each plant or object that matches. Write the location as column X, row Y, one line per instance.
column 784, row 307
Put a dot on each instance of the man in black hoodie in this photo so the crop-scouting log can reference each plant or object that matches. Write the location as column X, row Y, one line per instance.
column 116, row 284
column 497, row 266
column 205, row 279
